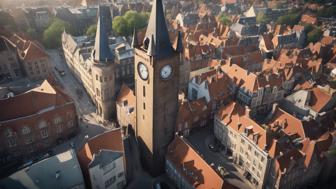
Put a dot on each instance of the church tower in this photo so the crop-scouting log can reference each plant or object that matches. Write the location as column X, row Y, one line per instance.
column 103, row 70
column 157, row 84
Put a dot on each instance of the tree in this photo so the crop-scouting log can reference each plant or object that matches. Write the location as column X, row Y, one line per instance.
column 124, row 25
column 91, row 31
column 289, row 19
column 224, row 19
column 32, row 32
column 314, row 35
column 327, row 12
column 52, row 35
column 261, row 18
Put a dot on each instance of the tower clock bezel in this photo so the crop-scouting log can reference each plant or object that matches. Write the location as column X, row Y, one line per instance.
column 170, row 74
column 139, row 72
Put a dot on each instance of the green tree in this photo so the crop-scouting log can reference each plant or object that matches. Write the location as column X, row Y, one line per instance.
column 261, row 18
column 124, row 25
column 289, row 19
column 91, row 31
column 52, row 35
column 314, row 35
column 327, row 12
column 119, row 25
column 32, row 32
column 224, row 19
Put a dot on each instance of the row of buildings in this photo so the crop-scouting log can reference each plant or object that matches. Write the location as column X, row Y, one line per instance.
column 100, row 163
column 22, row 57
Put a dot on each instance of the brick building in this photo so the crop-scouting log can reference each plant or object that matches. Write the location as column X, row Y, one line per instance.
column 34, row 121
column 22, row 57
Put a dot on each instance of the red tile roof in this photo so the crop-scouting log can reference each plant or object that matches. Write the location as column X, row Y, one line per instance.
column 184, row 158
column 319, row 99
column 309, row 19
column 237, row 117
column 126, row 93
column 33, row 101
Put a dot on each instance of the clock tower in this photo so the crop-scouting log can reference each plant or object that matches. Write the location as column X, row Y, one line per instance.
column 157, row 83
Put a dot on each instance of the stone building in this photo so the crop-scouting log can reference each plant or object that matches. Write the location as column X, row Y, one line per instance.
column 22, row 58
column 101, row 67
column 245, row 140
column 45, row 115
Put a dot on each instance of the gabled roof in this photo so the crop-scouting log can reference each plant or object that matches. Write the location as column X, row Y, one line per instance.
column 237, row 117
column 186, row 160
column 126, row 93
column 110, row 140
column 319, row 99
column 39, row 99
column 34, row 52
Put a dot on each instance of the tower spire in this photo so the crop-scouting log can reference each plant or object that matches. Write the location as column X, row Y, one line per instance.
column 158, row 29
column 101, row 52
column 135, row 42
column 179, row 43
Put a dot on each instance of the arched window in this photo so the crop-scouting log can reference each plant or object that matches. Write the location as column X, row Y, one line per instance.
column 8, row 133
column 25, row 130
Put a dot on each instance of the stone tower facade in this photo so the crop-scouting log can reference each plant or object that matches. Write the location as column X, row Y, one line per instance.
column 157, row 83
column 103, row 71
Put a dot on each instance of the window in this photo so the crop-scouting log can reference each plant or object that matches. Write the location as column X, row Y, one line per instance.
column 144, row 91
column 125, row 102
column 101, row 79
column 96, row 77
column 8, row 132
column 11, row 142
column 25, row 130
column 262, row 159
column 70, row 124
column 58, row 129
column 44, row 133
column 120, row 174
column 144, row 106
column 28, row 140
column 194, row 93
column 249, row 147
column 110, row 181
column 57, row 120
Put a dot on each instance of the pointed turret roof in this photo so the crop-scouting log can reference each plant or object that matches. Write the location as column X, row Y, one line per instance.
column 157, row 29
column 101, row 52
column 135, row 42
column 179, row 43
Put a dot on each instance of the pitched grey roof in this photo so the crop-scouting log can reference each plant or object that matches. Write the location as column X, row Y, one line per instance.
column 102, row 52
column 59, row 171
column 157, row 29
column 104, row 157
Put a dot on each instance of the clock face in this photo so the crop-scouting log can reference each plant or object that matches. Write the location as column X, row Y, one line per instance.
column 166, row 71
column 143, row 71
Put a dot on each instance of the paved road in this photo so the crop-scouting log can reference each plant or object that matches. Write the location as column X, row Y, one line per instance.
column 218, row 159
column 89, row 126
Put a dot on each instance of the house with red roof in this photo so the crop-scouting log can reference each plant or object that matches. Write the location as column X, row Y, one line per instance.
column 102, row 160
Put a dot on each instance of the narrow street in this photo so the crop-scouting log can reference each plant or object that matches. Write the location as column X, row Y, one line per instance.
column 88, row 124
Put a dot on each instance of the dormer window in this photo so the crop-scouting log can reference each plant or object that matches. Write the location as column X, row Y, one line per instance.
column 146, row 43
column 125, row 102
